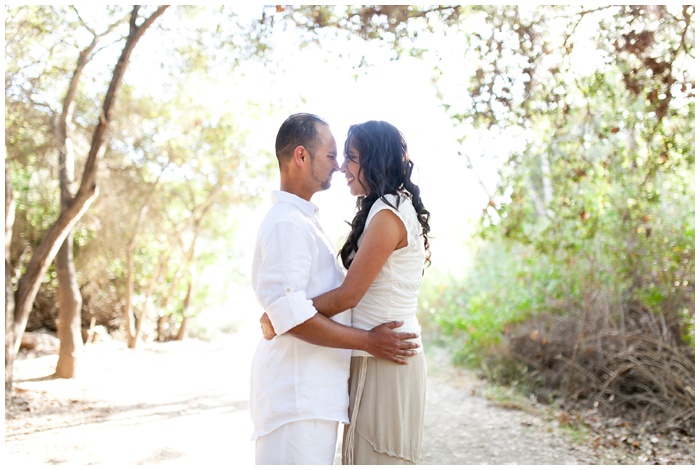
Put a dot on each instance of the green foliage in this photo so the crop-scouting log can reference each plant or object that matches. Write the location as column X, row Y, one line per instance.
column 505, row 285
column 175, row 153
column 509, row 284
column 199, row 174
column 593, row 212
column 584, row 276
column 603, row 189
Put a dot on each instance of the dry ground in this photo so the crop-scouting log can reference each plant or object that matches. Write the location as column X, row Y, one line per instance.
column 182, row 403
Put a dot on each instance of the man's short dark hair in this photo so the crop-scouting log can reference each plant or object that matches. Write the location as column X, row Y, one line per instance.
column 297, row 129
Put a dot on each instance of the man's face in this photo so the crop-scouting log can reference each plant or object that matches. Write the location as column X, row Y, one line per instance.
column 323, row 159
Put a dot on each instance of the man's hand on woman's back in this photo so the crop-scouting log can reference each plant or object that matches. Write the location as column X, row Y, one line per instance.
column 389, row 344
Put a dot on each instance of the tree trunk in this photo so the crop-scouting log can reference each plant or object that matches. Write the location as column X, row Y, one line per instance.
column 129, row 321
column 29, row 283
column 182, row 331
column 129, row 325
column 189, row 259
column 69, row 299
column 160, row 329
column 9, row 214
column 9, row 289
column 132, row 326
column 69, row 306
column 10, row 352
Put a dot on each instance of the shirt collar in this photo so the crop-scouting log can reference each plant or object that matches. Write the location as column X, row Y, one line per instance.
column 307, row 206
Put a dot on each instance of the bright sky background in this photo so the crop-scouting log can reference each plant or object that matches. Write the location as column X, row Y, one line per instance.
column 328, row 82
column 399, row 92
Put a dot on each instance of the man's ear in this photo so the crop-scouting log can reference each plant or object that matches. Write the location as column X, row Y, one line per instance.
column 299, row 155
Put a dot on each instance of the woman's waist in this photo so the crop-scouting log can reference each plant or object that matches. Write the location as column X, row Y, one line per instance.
column 365, row 320
column 410, row 325
column 389, row 283
column 382, row 302
column 407, row 327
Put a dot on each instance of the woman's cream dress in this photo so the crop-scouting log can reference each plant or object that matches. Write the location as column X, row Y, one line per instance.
column 387, row 400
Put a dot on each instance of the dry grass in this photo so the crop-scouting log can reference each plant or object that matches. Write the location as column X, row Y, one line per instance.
column 629, row 366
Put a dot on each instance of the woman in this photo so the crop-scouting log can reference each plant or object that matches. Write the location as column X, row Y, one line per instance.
column 385, row 254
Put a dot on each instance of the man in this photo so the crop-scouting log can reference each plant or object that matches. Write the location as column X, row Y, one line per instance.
column 299, row 389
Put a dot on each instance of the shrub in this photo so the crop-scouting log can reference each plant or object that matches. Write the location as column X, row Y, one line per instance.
column 577, row 327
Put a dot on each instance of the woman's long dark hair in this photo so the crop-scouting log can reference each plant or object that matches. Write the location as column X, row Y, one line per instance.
column 387, row 169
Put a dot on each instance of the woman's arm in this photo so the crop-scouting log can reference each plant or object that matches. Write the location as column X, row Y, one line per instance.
column 384, row 234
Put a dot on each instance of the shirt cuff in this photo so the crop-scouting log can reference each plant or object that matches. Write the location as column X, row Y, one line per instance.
column 290, row 310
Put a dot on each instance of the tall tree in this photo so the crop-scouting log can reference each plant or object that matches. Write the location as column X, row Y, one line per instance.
column 71, row 213
column 69, row 297
column 134, row 325
column 9, row 291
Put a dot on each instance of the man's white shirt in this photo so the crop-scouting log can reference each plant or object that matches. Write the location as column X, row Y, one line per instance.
column 294, row 261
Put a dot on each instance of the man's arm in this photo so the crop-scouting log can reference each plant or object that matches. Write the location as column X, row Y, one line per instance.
column 281, row 272
column 381, row 341
column 384, row 234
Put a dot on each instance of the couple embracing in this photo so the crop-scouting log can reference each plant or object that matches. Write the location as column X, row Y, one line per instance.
column 341, row 343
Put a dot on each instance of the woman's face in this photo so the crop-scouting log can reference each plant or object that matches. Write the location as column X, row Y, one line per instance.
column 351, row 170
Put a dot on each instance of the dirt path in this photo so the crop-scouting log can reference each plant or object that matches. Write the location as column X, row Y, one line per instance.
column 187, row 403
column 463, row 427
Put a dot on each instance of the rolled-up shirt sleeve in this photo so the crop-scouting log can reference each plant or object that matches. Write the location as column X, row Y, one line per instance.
column 285, row 258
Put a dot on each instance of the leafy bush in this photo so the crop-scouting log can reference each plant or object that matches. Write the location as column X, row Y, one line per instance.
column 484, row 302
column 590, row 325
column 584, row 283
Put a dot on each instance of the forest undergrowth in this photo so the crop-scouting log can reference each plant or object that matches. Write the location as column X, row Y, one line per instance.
column 622, row 369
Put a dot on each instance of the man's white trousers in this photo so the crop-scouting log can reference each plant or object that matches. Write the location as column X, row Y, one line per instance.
column 308, row 442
